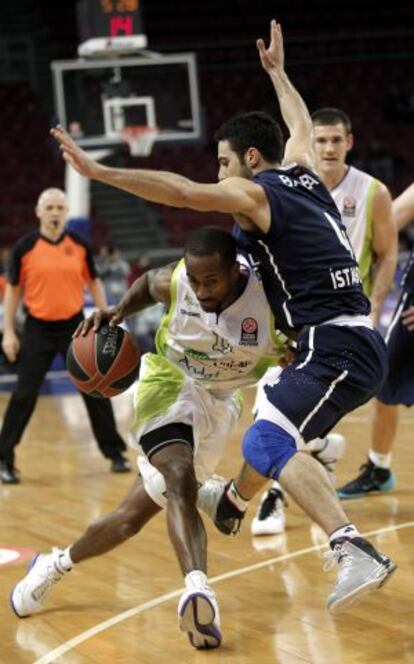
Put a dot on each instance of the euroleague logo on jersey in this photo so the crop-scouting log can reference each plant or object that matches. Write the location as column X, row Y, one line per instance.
column 349, row 206
column 249, row 331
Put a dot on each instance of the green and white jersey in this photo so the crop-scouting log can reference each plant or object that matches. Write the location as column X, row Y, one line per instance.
column 353, row 197
column 222, row 351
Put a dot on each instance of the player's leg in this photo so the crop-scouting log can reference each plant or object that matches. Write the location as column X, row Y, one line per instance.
column 171, row 410
column 36, row 354
column 170, row 451
column 103, row 535
column 185, row 527
column 308, row 400
column 375, row 474
column 361, row 569
column 270, row 516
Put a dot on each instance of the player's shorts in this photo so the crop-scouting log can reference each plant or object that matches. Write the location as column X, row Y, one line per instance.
column 337, row 369
column 398, row 388
column 164, row 396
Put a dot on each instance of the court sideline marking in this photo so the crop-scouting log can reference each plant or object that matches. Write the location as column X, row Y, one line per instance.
column 129, row 613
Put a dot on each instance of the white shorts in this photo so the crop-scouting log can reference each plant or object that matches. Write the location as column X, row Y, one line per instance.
column 165, row 395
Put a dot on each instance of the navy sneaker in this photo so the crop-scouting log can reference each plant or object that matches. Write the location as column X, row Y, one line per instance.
column 372, row 479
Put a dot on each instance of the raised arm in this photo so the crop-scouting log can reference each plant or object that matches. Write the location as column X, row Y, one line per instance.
column 235, row 196
column 299, row 146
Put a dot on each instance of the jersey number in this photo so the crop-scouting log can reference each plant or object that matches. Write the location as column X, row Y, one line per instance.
column 340, row 234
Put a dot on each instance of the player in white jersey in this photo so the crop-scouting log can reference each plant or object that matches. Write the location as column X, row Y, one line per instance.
column 363, row 201
column 218, row 334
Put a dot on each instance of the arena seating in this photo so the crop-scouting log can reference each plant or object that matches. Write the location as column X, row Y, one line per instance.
column 230, row 82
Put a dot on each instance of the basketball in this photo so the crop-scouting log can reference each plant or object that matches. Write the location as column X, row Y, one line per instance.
column 104, row 363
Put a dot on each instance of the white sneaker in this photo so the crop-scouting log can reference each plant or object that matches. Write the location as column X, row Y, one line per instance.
column 198, row 615
column 270, row 518
column 28, row 595
column 209, row 495
column 361, row 571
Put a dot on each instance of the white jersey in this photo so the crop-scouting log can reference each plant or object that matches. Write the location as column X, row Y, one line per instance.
column 202, row 358
column 223, row 351
column 353, row 197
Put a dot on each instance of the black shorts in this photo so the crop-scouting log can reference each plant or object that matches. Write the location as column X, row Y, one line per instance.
column 398, row 388
column 167, row 435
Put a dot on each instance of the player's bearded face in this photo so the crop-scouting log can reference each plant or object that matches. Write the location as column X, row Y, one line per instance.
column 230, row 164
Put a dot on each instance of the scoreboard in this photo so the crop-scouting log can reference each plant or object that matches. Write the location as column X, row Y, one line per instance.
column 111, row 20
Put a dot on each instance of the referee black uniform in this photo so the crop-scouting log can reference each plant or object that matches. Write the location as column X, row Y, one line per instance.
column 52, row 276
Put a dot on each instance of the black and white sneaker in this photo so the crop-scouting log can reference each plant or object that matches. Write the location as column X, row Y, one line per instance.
column 372, row 479
column 270, row 518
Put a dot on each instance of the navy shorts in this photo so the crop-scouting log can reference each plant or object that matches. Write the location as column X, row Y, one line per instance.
column 337, row 369
column 399, row 385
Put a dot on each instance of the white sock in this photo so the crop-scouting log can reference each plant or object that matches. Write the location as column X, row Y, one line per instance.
column 235, row 498
column 195, row 580
column 348, row 531
column 380, row 460
column 316, row 445
column 65, row 561
column 276, row 485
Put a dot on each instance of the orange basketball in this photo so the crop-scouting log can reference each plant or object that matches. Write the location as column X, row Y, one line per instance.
column 103, row 363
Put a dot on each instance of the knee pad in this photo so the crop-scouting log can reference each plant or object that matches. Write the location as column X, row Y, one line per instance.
column 154, row 483
column 267, row 448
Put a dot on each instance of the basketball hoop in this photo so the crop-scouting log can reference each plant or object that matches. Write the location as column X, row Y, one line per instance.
column 140, row 139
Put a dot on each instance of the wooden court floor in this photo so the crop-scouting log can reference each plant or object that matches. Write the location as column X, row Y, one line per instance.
column 121, row 608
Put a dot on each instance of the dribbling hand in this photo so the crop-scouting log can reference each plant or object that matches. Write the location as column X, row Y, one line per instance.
column 112, row 315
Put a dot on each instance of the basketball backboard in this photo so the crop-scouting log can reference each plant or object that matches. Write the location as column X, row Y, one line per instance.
column 102, row 97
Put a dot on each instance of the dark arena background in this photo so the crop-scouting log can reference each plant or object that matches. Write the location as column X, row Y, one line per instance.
column 108, row 70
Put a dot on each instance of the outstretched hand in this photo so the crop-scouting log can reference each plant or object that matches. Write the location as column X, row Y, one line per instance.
column 112, row 315
column 272, row 57
column 73, row 154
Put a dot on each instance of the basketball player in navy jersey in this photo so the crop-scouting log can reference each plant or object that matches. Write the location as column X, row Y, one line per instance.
column 289, row 224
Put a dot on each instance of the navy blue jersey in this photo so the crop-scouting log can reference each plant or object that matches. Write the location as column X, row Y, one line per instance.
column 407, row 281
column 306, row 261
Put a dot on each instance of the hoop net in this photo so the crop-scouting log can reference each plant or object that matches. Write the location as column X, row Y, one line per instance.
column 140, row 139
